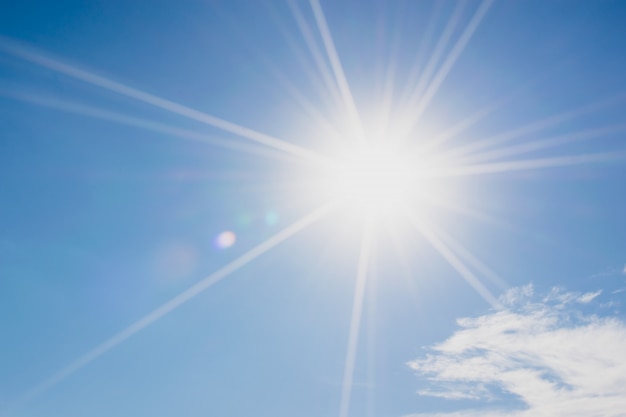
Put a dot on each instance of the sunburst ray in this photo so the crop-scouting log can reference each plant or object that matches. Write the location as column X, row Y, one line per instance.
column 532, row 164
column 533, row 127
column 549, row 142
column 448, row 254
column 446, row 66
column 469, row 257
column 355, row 320
column 24, row 53
column 174, row 303
column 416, row 70
column 435, row 57
column 162, row 128
column 335, row 64
column 318, row 57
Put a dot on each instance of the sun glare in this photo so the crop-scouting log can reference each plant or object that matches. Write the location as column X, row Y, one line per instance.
column 374, row 179
column 379, row 181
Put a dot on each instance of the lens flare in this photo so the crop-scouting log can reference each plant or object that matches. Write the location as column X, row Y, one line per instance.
column 225, row 240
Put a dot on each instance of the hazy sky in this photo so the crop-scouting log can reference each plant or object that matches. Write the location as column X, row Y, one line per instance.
column 178, row 236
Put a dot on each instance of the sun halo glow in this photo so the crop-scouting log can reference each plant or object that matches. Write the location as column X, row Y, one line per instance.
column 373, row 179
column 379, row 182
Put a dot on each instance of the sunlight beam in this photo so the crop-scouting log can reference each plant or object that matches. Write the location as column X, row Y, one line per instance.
column 470, row 258
column 337, row 68
column 318, row 57
column 435, row 57
column 545, row 143
column 174, row 303
column 450, row 60
column 492, row 220
column 532, row 164
column 452, row 132
column 529, row 128
column 372, row 314
column 465, row 124
column 388, row 88
column 277, row 71
column 119, row 118
column 88, row 77
column 311, row 109
column 446, row 252
column 355, row 321
column 387, row 101
column 475, row 214
column 426, row 36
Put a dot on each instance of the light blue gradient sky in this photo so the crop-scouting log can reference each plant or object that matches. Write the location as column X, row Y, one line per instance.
column 110, row 203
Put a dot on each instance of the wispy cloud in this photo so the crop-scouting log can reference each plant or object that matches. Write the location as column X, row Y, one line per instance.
column 609, row 272
column 548, row 354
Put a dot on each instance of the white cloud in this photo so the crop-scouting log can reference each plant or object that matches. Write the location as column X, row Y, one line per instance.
column 554, row 359
column 588, row 297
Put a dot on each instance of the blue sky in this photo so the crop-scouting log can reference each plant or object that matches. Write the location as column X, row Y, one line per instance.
column 134, row 134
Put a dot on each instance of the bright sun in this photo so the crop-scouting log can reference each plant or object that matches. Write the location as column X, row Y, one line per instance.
column 379, row 181
column 374, row 180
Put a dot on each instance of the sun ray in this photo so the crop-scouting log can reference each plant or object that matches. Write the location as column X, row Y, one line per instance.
column 475, row 214
column 449, row 62
column 318, row 57
column 453, row 131
column 314, row 112
column 174, row 303
column 387, row 69
column 446, row 252
column 403, row 262
column 335, row 64
column 414, row 71
column 355, row 320
column 176, row 108
column 386, row 101
column 492, row 220
column 276, row 71
column 372, row 306
column 532, row 164
column 119, row 118
column 470, row 258
column 461, row 127
column 533, row 127
column 435, row 57
column 385, row 110
column 545, row 143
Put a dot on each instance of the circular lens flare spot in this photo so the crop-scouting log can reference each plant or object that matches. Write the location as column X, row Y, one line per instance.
column 225, row 240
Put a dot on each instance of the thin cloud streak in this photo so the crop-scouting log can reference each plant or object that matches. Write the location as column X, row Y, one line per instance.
column 554, row 359
column 172, row 304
